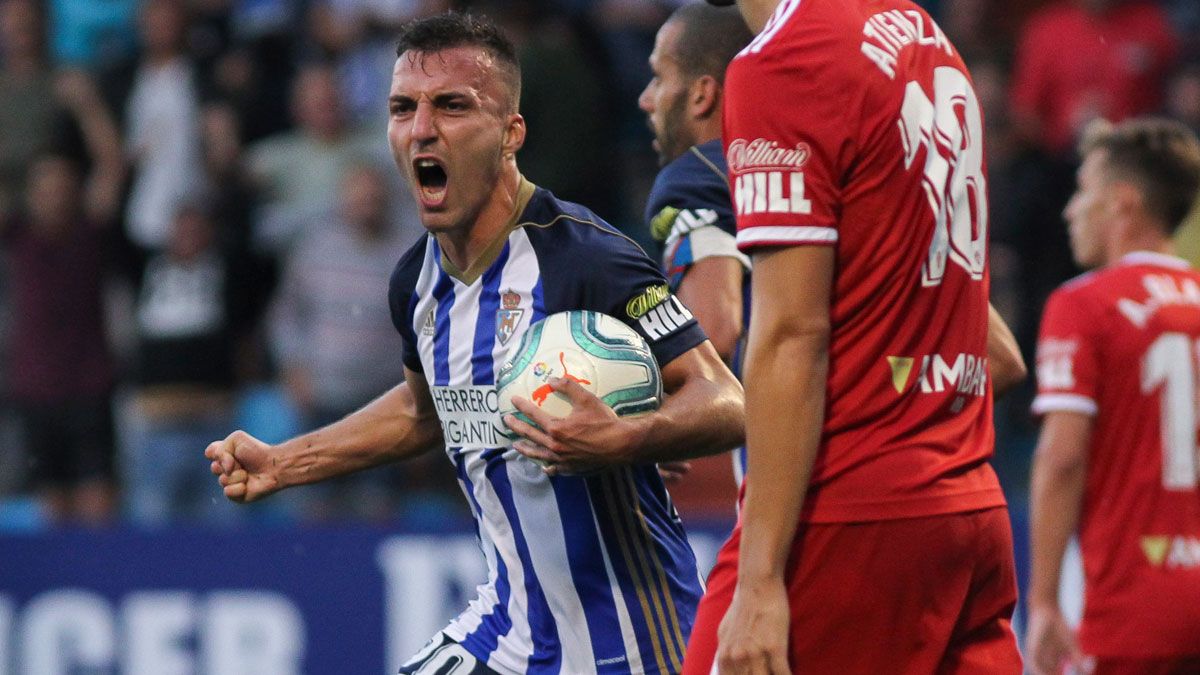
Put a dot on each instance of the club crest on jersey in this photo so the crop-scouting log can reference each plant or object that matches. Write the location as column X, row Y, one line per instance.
column 509, row 316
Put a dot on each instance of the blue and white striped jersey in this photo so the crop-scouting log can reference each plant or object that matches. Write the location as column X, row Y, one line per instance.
column 586, row 574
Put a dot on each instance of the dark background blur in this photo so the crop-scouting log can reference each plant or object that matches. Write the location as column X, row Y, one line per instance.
column 199, row 215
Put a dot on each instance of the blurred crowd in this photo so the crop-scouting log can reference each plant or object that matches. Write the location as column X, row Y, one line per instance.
column 199, row 215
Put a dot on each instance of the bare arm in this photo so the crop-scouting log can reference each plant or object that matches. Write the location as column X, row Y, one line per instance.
column 103, row 141
column 703, row 414
column 399, row 424
column 712, row 290
column 1004, row 356
column 787, row 362
column 1059, row 475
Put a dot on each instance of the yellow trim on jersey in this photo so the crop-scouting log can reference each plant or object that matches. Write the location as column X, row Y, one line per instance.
column 610, row 493
column 672, row 633
column 468, row 276
column 696, row 151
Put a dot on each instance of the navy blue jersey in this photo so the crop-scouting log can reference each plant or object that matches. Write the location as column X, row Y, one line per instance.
column 586, row 574
column 689, row 210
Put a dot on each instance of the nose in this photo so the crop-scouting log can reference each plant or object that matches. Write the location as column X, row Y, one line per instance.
column 424, row 130
column 645, row 100
column 1070, row 208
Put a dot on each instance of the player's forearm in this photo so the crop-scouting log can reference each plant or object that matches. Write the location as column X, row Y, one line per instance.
column 704, row 416
column 785, row 413
column 390, row 428
column 1005, row 362
column 1057, row 496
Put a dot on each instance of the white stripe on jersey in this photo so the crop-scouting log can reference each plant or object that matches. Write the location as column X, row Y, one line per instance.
column 777, row 21
column 628, row 636
column 1048, row 403
column 797, row 234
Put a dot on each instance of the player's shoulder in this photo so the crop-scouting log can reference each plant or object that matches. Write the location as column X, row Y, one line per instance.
column 408, row 268
column 695, row 181
column 702, row 163
column 570, row 232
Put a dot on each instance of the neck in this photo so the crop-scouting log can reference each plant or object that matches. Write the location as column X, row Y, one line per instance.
column 756, row 13
column 463, row 246
column 1148, row 237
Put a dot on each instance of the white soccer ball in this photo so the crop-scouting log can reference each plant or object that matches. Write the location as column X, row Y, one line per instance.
column 601, row 353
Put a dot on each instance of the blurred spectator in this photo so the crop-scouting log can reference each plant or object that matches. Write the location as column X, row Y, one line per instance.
column 298, row 171
column 43, row 111
column 62, row 371
column 162, row 127
column 189, row 314
column 331, row 332
column 1078, row 60
column 359, row 37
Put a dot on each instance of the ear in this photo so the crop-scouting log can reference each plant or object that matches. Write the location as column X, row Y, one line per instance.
column 704, row 97
column 1125, row 198
column 514, row 134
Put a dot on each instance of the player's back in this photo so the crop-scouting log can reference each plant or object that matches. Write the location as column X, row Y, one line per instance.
column 1123, row 344
column 853, row 123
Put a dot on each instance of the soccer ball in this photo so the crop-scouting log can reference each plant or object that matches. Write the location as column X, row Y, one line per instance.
column 605, row 356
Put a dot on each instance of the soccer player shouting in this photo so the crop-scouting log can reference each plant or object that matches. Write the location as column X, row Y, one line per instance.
column 587, row 574
column 873, row 537
column 1117, row 385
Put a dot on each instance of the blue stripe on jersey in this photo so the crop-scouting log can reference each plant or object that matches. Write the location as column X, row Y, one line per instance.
column 663, row 536
column 614, row 509
column 547, row 654
column 584, row 549
column 443, row 294
column 485, row 638
column 483, row 369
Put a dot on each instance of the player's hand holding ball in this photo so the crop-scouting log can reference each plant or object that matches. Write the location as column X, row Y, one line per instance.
column 572, row 391
column 242, row 464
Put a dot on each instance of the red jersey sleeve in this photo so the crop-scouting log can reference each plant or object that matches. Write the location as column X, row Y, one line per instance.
column 786, row 133
column 1067, row 360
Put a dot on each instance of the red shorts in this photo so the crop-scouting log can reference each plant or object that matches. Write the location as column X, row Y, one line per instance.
column 921, row 595
column 1183, row 665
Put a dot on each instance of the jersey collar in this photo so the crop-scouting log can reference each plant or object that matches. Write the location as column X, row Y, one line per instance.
column 1153, row 258
column 484, row 261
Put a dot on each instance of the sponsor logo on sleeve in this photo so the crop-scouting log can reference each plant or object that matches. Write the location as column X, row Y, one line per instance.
column 647, row 299
column 667, row 317
column 768, row 176
column 1056, row 363
column 508, row 317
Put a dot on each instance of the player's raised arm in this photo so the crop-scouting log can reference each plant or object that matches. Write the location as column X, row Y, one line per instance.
column 399, row 424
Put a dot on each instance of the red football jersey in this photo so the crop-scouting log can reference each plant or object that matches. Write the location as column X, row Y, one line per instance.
column 854, row 124
column 1123, row 344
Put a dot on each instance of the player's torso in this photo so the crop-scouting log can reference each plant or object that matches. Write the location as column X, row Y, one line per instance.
column 572, row 560
column 1140, row 531
column 908, row 417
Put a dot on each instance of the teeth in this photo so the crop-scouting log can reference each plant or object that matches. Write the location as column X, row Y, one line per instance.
column 426, row 163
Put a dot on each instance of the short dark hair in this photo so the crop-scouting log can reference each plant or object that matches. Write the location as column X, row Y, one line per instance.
column 711, row 37
column 459, row 29
column 1158, row 155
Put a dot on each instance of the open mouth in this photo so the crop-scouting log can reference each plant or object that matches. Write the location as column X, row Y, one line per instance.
column 432, row 179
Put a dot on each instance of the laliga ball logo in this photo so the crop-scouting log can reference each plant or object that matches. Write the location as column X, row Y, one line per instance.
column 594, row 350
